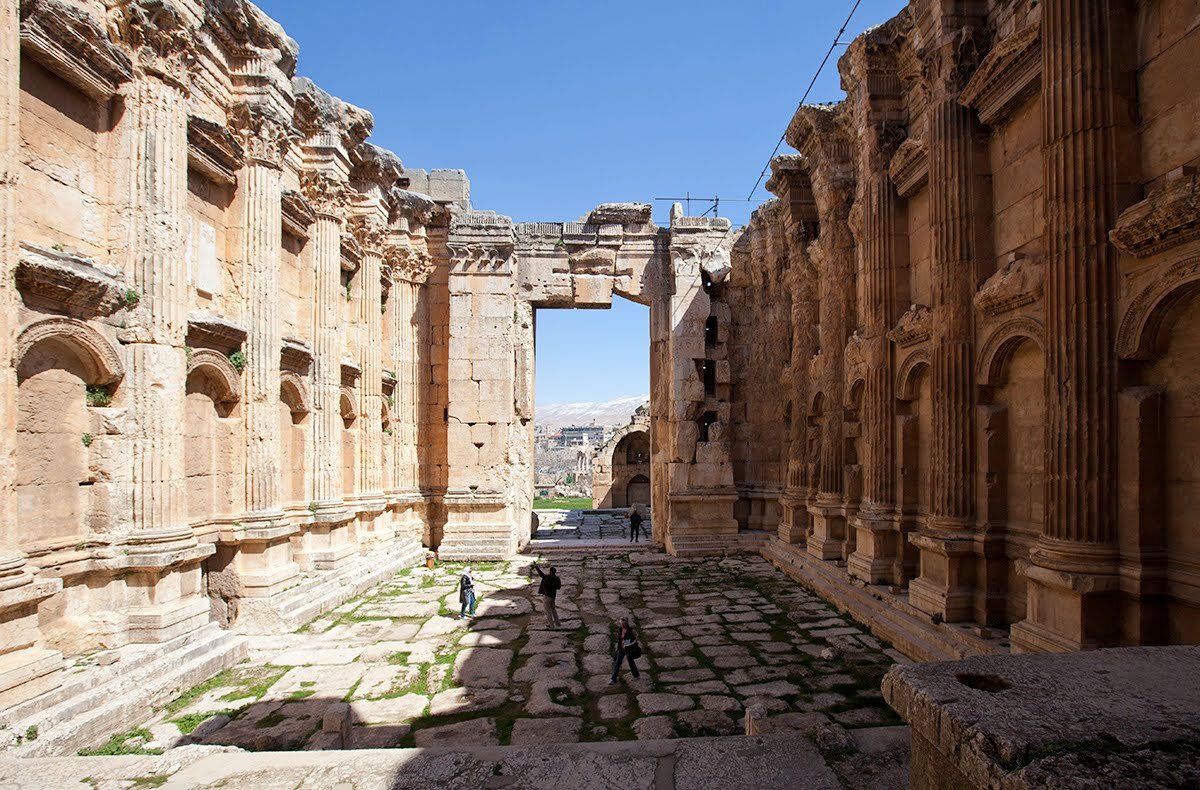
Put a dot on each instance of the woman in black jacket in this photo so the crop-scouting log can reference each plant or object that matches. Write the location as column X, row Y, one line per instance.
column 627, row 648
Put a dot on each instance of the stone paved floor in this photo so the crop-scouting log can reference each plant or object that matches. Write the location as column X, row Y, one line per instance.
column 719, row 636
column 565, row 526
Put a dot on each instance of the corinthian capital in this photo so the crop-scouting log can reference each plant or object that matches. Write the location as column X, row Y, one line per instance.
column 947, row 68
column 369, row 232
column 264, row 134
column 157, row 35
column 327, row 194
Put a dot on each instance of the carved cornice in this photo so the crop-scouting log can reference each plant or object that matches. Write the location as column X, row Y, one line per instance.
column 371, row 165
column 296, row 355
column 318, row 113
column 1017, row 283
column 1009, row 76
column 407, row 263
column 246, row 33
column 69, row 42
column 947, row 67
column 351, row 373
column 910, row 167
column 298, row 214
column 418, row 209
column 211, row 331
column 914, row 326
column 1169, row 216
column 351, row 252
column 620, row 214
column 327, row 195
column 264, row 134
column 73, row 282
column 214, row 151
column 158, row 36
column 481, row 242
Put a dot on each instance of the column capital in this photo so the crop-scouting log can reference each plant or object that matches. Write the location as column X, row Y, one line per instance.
column 158, row 37
column 370, row 233
column 948, row 64
column 264, row 134
column 327, row 194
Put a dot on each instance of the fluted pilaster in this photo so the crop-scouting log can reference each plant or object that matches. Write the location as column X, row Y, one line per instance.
column 879, row 267
column 371, row 466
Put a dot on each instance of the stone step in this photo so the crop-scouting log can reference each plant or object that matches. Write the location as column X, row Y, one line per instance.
column 326, row 590
column 89, row 717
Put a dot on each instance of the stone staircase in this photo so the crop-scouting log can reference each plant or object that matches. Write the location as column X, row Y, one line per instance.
column 97, row 700
column 748, row 542
column 319, row 591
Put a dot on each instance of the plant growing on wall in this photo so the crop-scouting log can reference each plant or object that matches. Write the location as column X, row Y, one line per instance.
column 98, row 395
column 88, row 439
column 238, row 360
column 132, row 298
column 391, row 401
column 347, row 292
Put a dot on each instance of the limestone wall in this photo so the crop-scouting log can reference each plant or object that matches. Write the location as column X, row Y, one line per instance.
column 983, row 265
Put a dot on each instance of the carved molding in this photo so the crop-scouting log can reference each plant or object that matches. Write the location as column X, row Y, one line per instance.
column 101, row 361
column 1017, row 283
column 214, row 151
column 293, row 390
column 248, row 34
column 298, row 214
column 909, row 168
column 1169, row 216
column 351, row 373
column 295, row 354
column 264, row 134
column 593, row 260
column 217, row 367
column 914, row 326
column 214, row 332
column 74, row 283
column 369, row 233
column 620, row 214
column 351, row 252
column 71, row 43
column 375, row 166
column 1140, row 335
column 348, row 404
column 997, row 349
column 418, row 209
column 1008, row 77
column 906, row 378
column 480, row 258
column 407, row 263
column 319, row 114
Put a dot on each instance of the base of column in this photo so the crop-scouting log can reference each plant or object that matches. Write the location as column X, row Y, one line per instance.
column 26, row 670
column 24, row 674
column 793, row 520
column 1066, row 610
column 944, row 587
column 828, row 538
column 162, row 623
column 479, row 526
column 877, row 539
column 700, row 521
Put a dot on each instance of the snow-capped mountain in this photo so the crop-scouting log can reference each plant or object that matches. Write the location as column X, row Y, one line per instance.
column 612, row 412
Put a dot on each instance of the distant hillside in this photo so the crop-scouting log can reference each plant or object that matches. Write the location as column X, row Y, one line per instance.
column 613, row 412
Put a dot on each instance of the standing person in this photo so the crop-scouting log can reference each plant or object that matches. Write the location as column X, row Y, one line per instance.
column 627, row 648
column 635, row 525
column 548, row 589
column 466, row 594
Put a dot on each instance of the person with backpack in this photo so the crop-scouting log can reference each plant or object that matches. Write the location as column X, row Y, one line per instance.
column 627, row 649
column 466, row 594
column 635, row 525
column 548, row 589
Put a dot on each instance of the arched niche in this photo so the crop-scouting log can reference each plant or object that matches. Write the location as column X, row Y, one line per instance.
column 212, row 437
column 294, row 410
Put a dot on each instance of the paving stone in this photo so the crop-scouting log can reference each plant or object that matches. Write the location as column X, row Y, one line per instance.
column 462, row 700
column 775, row 688
column 389, row 711
column 670, row 648
column 547, row 666
column 707, row 722
column 401, row 609
column 488, row 638
column 329, row 655
column 686, row 675
column 769, row 703
column 546, row 642
column 721, row 703
column 385, row 736
column 439, row 626
column 496, row 606
column 550, row 730
column 473, row 732
column 654, row 728
column 829, row 681
column 652, row 702
column 860, row 717
column 483, row 667
column 613, row 706
column 741, row 677
column 677, row 662
column 541, row 701
column 382, row 679
column 733, row 662
column 329, row 681
column 750, row 636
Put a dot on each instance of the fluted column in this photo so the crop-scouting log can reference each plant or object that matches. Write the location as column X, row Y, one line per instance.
column 264, row 139
column 327, row 196
column 370, row 236
column 1072, row 575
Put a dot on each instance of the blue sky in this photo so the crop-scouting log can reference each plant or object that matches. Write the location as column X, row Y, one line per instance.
column 554, row 107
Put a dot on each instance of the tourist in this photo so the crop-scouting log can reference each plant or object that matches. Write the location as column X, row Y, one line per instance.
column 635, row 525
column 466, row 594
column 548, row 589
column 627, row 648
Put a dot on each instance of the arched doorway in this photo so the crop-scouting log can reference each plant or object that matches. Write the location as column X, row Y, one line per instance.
column 637, row 493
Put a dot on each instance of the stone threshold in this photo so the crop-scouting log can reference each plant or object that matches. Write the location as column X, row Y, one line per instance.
column 889, row 617
column 775, row 760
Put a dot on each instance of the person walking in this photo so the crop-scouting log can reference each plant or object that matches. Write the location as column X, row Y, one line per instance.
column 627, row 649
column 466, row 594
column 635, row 525
column 548, row 589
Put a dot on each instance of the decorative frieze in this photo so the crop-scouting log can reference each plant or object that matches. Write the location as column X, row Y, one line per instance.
column 71, row 283
column 295, row 354
column 1169, row 216
column 298, row 214
column 351, row 372
column 1016, row 284
column 913, row 327
column 1007, row 78
column 351, row 253
column 214, row 151
column 159, row 37
column 73, row 44
column 213, row 331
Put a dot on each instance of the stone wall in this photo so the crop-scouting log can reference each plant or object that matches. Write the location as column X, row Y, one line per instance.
column 983, row 261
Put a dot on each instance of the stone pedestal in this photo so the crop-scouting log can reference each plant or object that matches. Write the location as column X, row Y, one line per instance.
column 828, row 538
column 947, row 568
column 479, row 526
column 876, row 548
